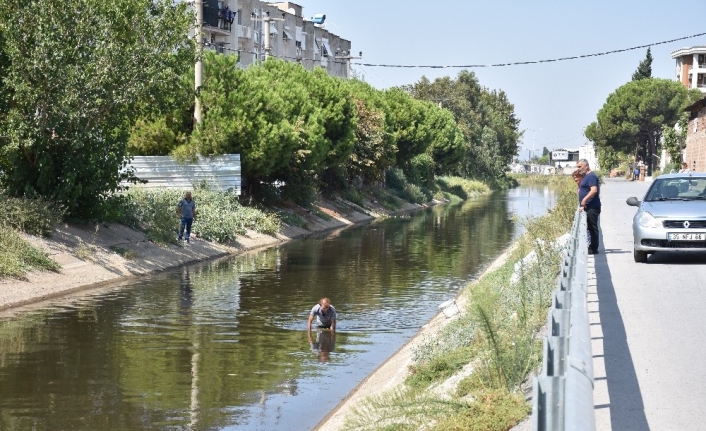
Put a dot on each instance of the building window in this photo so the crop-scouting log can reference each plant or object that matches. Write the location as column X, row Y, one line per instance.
column 702, row 60
column 701, row 80
column 326, row 52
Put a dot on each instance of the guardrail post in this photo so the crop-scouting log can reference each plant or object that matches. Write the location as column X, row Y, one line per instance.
column 563, row 392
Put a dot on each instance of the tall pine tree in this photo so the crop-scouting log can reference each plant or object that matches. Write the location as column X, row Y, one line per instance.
column 644, row 69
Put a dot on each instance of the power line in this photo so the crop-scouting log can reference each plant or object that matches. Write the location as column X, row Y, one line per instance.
column 518, row 63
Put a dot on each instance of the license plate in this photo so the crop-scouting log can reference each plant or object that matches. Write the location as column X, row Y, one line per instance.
column 686, row 236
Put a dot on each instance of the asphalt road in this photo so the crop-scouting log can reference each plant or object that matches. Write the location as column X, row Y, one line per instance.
column 648, row 320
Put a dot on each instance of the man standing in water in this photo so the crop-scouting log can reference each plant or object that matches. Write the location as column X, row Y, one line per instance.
column 325, row 315
column 590, row 201
column 186, row 210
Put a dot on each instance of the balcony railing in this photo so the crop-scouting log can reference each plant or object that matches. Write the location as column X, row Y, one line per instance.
column 244, row 32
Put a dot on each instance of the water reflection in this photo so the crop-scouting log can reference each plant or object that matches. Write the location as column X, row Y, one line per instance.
column 224, row 345
column 322, row 343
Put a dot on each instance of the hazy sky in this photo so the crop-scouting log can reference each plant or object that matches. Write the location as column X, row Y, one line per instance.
column 559, row 98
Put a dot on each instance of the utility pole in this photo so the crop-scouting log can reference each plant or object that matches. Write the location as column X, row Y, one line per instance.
column 266, row 19
column 198, row 74
column 348, row 59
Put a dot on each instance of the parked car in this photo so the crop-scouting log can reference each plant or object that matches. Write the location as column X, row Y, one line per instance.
column 672, row 216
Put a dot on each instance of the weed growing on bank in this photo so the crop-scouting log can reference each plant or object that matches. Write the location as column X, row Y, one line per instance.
column 491, row 348
column 461, row 187
column 32, row 216
column 17, row 256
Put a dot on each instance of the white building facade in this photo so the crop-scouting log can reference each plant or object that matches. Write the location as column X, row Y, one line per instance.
column 691, row 67
column 237, row 27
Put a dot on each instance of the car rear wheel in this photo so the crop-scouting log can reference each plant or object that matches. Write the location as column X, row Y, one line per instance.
column 640, row 256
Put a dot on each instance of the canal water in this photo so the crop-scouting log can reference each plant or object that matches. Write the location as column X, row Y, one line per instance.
column 223, row 345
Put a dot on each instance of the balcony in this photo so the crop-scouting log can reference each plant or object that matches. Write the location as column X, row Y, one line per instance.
column 244, row 32
column 222, row 25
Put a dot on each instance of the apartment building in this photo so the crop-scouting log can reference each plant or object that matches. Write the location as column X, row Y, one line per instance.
column 691, row 72
column 691, row 67
column 237, row 27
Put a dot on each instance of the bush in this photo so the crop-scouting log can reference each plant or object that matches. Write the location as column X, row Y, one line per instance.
column 421, row 169
column 220, row 217
column 395, row 179
column 33, row 216
column 353, row 195
column 415, row 194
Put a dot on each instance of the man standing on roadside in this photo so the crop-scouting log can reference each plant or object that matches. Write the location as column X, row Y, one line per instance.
column 186, row 210
column 590, row 201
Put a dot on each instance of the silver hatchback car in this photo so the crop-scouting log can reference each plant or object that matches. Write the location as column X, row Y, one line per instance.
column 672, row 216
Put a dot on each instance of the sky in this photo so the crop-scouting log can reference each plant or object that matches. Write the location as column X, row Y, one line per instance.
column 554, row 101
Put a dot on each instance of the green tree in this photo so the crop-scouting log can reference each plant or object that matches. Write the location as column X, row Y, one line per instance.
column 159, row 132
column 290, row 125
column 267, row 121
column 478, row 112
column 446, row 148
column 78, row 73
column 409, row 125
column 632, row 117
column 644, row 69
column 374, row 150
column 370, row 156
column 674, row 137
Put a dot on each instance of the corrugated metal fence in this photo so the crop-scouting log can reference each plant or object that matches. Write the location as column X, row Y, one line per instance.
column 221, row 172
column 563, row 392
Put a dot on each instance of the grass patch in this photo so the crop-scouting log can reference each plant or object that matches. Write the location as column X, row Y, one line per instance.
column 491, row 410
column 292, row 219
column 414, row 410
column 353, row 195
column 438, row 368
column 461, row 187
column 320, row 214
column 125, row 253
column 17, row 256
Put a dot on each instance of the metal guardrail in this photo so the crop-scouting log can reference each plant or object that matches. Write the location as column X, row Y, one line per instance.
column 221, row 172
column 562, row 395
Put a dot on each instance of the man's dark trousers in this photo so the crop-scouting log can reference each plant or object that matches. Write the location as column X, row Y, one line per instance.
column 592, row 214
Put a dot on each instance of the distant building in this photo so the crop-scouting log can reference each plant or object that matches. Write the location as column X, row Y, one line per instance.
column 691, row 67
column 588, row 151
column 691, row 72
column 568, row 158
column 563, row 158
column 236, row 27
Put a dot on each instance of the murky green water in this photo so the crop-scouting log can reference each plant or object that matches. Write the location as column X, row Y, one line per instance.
column 224, row 346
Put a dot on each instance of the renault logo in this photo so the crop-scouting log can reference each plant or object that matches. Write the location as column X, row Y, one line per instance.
column 687, row 224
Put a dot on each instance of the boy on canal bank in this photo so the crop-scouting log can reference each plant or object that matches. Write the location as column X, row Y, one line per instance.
column 186, row 210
